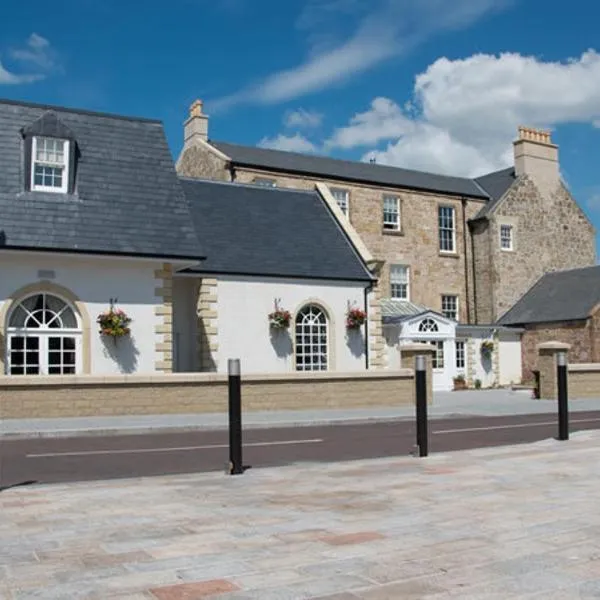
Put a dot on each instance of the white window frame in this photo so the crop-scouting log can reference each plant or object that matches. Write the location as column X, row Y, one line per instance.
column 56, row 165
column 443, row 217
column 265, row 182
column 345, row 205
column 43, row 335
column 460, row 350
column 391, row 224
column 450, row 299
column 311, row 331
column 510, row 228
column 398, row 282
column 438, row 359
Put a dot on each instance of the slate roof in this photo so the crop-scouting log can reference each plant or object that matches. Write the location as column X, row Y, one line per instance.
column 127, row 198
column 496, row 185
column 253, row 230
column 559, row 296
column 397, row 311
column 294, row 162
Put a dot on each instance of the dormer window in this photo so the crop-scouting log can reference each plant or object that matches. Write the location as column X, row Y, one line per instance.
column 50, row 165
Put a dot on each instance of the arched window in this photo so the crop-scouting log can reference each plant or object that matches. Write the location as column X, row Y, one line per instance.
column 44, row 337
column 311, row 339
column 428, row 326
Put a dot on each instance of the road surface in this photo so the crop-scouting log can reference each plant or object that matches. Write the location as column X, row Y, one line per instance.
column 53, row 460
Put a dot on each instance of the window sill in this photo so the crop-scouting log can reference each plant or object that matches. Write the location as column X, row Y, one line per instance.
column 449, row 254
column 393, row 232
column 507, row 249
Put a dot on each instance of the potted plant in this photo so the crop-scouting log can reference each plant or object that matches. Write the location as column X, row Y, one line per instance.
column 355, row 318
column 487, row 347
column 477, row 383
column 114, row 322
column 460, row 382
column 279, row 319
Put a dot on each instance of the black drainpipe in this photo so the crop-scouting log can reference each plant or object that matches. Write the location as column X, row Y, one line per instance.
column 367, row 290
column 464, row 219
column 232, row 171
column 474, row 276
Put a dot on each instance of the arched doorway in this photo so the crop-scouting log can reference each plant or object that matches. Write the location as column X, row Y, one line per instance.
column 43, row 337
column 311, row 339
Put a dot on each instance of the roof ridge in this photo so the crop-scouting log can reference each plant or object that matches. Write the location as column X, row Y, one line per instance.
column 346, row 160
column 240, row 184
column 79, row 111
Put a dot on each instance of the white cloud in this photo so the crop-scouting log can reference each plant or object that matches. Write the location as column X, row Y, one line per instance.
column 291, row 143
column 464, row 113
column 381, row 29
column 302, row 119
column 6, row 77
column 37, row 53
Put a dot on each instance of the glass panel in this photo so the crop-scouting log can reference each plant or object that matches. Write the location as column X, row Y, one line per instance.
column 17, row 358
column 17, row 343
column 32, row 343
column 54, row 371
column 17, row 317
column 69, row 343
column 69, row 370
column 54, row 358
column 34, row 370
column 17, row 371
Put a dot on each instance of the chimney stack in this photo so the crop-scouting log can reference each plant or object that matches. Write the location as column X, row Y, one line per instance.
column 196, row 126
column 537, row 157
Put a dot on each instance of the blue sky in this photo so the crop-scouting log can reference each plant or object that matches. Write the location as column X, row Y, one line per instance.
column 406, row 81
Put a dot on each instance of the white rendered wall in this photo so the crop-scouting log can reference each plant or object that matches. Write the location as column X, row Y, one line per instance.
column 243, row 307
column 94, row 281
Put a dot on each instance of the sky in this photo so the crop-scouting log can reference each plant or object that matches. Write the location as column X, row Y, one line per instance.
column 435, row 85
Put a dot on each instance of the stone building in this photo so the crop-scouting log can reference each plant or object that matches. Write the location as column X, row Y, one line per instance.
column 561, row 307
column 467, row 248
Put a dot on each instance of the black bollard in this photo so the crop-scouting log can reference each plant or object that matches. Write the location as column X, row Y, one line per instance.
column 421, row 389
column 235, row 417
column 563, row 396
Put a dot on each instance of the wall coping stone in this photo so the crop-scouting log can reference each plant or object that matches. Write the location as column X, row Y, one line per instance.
column 417, row 348
column 553, row 346
column 15, row 381
column 583, row 367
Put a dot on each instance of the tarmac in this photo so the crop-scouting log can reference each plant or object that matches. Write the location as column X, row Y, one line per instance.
column 512, row 522
column 503, row 402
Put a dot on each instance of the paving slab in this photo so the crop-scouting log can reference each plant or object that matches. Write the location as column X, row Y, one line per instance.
column 516, row 522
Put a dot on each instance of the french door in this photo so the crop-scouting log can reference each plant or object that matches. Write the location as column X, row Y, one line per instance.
column 43, row 354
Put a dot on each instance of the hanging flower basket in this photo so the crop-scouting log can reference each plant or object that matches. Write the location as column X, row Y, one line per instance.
column 355, row 318
column 114, row 322
column 487, row 347
column 280, row 319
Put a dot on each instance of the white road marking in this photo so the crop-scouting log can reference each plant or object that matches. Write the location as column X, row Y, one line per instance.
column 515, row 426
column 179, row 449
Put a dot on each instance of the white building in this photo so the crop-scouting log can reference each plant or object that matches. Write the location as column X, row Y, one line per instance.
column 93, row 216
column 459, row 349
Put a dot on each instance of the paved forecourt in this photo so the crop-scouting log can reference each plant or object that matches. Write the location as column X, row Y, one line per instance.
column 513, row 522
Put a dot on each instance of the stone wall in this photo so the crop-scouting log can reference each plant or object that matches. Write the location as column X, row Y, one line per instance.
column 584, row 381
column 550, row 233
column 61, row 397
column 482, row 273
column 432, row 274
column 198, row 161
column 578, row 334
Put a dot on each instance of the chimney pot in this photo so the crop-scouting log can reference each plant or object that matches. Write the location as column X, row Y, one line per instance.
column 196, row 126
column 537, row 157
column 196, row 108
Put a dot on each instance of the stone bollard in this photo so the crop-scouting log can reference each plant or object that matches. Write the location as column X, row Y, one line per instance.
column 546, row 365
column 408, row 354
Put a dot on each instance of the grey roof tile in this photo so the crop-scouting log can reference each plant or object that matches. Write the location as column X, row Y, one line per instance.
column 349, row 170
column 255, row 230
column 559, row 296
column 127, row 197
column 496, row 185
